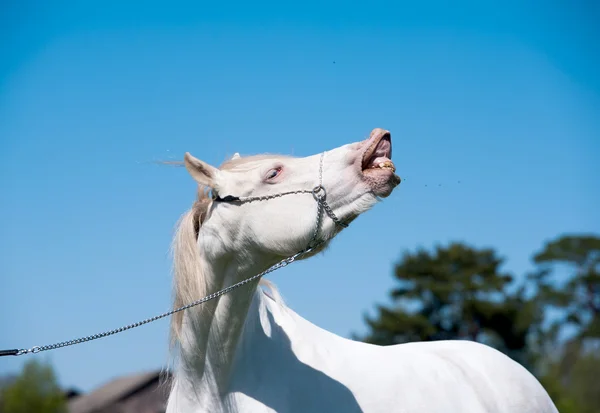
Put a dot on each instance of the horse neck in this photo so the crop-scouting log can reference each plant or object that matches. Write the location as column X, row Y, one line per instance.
column 210, row 335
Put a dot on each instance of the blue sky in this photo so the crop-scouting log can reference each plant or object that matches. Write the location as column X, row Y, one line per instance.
column 494, row 111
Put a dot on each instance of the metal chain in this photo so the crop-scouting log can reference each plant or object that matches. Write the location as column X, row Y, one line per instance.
column 280, row 264
column 319, row 195
column 267, row 197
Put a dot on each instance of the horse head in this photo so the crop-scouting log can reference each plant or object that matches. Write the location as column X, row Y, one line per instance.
column 264, row 206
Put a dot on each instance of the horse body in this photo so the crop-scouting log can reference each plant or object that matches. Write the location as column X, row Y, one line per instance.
column 284, row 363
column 249, row 353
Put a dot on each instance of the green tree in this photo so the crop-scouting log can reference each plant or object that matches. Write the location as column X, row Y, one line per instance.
column 572, row 379
column 34, row 390
column 568, row 282
column 576, row 259
column 456, row 292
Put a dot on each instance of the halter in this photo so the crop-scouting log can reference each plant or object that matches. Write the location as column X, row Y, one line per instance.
column 319, row 194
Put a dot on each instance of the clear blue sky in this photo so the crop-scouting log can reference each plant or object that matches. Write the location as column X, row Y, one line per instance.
column 494, row 111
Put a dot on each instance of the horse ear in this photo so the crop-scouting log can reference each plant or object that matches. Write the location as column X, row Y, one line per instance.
column 202, row 172
column 235, row 156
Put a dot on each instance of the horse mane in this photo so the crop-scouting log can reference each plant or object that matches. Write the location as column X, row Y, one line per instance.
column 188, row 283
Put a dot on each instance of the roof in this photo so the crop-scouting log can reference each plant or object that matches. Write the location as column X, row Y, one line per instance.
column 111, row 392
column 71, row 393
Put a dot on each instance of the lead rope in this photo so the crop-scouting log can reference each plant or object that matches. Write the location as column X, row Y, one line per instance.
column 318, row 194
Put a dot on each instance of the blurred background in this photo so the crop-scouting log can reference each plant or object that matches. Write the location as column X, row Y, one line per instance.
column 493, row 235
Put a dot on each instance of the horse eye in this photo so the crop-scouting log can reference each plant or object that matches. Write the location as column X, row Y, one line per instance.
column 273, row 173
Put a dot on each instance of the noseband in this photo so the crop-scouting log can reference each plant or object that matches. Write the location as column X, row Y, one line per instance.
column 318, row 192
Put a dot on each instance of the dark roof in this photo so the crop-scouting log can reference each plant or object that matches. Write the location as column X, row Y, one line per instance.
column 111, row 392
column 71, row 393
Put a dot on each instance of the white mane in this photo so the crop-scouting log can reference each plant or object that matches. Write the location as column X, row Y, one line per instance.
column 189, row 284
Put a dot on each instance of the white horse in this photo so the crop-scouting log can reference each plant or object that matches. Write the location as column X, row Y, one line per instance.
column 246, row 351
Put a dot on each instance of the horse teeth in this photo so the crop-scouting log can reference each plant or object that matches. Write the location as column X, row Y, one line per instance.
column 383, row 165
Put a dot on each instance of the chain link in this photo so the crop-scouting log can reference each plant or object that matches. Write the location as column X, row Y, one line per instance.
column 319, row 195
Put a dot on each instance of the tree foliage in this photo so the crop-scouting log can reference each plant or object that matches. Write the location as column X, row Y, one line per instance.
column 34, row 390
column 568, row 281
column 572, row 379
column 578, row 296
column 456, row 292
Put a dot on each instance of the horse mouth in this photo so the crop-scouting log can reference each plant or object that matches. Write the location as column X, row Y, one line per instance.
column 378, row 155
column 377, row 167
